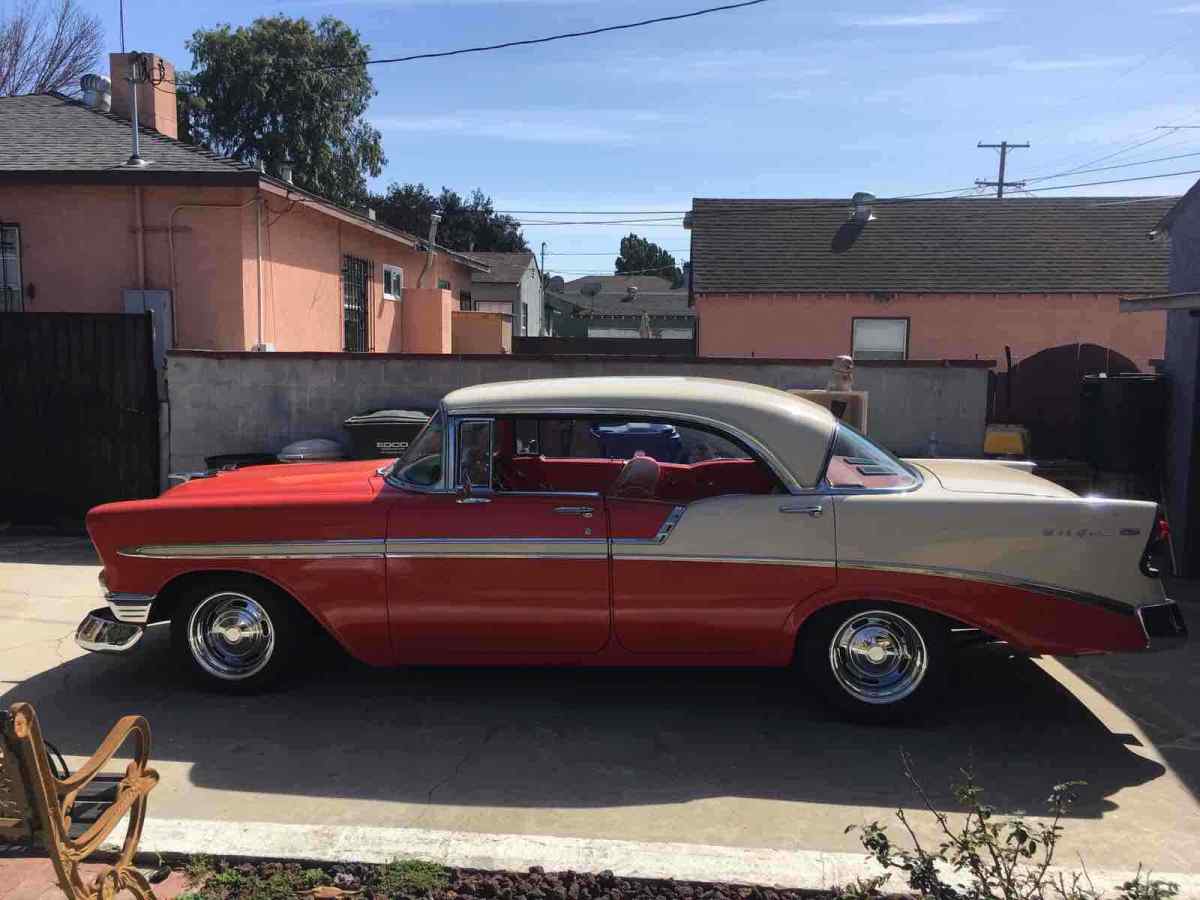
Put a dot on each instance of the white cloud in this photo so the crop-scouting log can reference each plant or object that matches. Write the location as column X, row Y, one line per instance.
column 537, row 126
column 920, row 20
column 1191, row 9
column 791, row 94
column 1066, row 65
column 721, row 67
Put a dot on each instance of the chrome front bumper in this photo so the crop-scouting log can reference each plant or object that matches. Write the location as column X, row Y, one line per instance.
column 101, row 632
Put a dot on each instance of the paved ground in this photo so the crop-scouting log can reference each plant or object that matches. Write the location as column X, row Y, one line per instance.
column 735, row 758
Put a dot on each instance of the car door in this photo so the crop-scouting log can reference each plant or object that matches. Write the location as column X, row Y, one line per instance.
column 719, row 568
column 475, row 570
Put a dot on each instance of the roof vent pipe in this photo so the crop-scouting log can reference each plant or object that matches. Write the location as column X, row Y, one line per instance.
column 431, row 244
column 285, row 169
column 97, row 92
column 861, row 213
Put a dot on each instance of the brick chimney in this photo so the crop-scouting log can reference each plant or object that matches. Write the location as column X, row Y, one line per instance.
column 156, row 102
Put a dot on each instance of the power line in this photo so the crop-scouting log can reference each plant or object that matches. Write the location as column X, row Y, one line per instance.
column 1060, row 187
column 545, row 40
column 673, row 220
column 592, row 212
column 605, row 252
column 1075, row 169
column 1143, row 162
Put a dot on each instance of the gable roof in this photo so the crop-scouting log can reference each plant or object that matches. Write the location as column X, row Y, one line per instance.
column 620, row 284
column 61, row 139
column 984, row 245
column 505, row 268
column 1169, row 217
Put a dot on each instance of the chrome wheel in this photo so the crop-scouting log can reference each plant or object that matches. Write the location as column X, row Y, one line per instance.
column 878, row 657
column 231, row 636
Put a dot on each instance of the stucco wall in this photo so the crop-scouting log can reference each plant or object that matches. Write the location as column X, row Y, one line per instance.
column 234, row 402
column 79, row 250
column 481, row 332
column 954, row 326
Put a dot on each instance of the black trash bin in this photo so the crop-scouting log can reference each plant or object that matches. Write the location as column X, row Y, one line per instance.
column 1122, row 419
column 384, row 433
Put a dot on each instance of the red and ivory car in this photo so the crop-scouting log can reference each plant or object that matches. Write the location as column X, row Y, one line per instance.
column 632, row 521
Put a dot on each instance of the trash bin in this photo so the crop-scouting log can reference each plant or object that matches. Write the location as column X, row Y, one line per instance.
column 239, row 460
column 384, row 433
column 312, row 450
column 1122, row 418
column 658, row 440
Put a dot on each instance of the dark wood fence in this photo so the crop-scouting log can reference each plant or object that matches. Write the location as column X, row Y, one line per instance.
column 585, row 346
column 78, row 413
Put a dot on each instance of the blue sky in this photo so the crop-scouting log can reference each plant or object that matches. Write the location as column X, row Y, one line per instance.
column 784, row 99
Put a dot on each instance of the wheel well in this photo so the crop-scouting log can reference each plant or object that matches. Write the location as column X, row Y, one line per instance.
column 818, row 614
column 169, row 597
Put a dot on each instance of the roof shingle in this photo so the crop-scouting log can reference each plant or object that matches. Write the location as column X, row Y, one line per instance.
column 505, row 268
column 1087, row 244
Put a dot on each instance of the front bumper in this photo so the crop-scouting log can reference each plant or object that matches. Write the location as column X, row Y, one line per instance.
column 101, row 632
column 1163, row 625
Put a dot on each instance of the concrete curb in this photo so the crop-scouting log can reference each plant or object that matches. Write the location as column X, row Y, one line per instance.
column 808, row 869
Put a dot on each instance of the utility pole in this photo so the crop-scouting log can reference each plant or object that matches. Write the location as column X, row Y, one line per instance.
column 543, row 257
column 1000, row 184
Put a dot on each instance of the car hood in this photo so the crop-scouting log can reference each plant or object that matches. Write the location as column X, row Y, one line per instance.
column 988, row 477
column 323, row 477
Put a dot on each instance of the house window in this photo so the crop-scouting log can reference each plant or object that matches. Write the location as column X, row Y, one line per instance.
column 464, row 301
column 880, row 339
column 393, row 283
column 12, row 297
column 524, row 318
column 443, row 284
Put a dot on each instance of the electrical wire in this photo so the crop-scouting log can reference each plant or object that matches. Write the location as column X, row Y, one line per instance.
column 1144, row 162
column 1061, row 187
column 544, row 40
column 591, row 212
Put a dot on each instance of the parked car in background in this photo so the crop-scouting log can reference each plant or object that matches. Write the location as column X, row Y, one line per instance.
column 526, row 524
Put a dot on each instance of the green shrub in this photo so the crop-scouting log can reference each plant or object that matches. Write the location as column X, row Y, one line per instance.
column 410, row 877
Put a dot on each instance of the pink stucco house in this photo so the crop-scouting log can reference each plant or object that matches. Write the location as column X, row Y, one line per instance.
column 228, row 258
column 925, row 279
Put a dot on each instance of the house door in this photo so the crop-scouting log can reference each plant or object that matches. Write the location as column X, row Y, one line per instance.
column 356, row 280
column 158, row 305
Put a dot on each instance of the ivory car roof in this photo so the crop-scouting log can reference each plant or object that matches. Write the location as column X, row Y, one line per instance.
column 793, row 432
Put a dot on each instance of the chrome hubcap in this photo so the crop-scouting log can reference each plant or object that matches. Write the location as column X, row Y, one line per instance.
column 231, row 636
column 878, row 657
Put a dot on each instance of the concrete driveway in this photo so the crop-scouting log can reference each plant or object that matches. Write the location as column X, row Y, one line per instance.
column 736, row 758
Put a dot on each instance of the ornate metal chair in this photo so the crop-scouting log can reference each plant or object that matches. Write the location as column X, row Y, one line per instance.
column 35, row 805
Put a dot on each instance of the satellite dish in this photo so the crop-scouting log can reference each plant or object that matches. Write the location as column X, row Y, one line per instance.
column 590, row 289
column 557, row 284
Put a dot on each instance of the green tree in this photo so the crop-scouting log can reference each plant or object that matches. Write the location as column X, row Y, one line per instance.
column 467, row 223
column 642, row 257
column 279, row 89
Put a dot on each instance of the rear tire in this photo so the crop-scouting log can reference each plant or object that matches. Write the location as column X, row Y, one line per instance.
column 876, row 662
column 236, row 634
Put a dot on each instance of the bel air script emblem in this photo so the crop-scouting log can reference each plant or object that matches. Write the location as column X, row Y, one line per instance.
column 1089, row 532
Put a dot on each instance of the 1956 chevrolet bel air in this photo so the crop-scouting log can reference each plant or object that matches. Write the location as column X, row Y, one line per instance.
column 632, row 521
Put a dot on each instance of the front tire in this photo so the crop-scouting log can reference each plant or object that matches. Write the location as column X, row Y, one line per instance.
column 235, row 635
column 876, row 662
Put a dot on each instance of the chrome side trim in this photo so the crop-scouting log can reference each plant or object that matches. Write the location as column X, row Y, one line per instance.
column 498, row 548
column 664, row 531
column 485, row 554
column 373, row 547
column 126, row 607
column 734, row 560
column 1085, row 597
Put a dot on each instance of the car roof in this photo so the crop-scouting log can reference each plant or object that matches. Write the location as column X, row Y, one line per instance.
column 793, row 434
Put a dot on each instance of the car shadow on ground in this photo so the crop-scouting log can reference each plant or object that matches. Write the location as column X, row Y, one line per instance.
column 583, row 738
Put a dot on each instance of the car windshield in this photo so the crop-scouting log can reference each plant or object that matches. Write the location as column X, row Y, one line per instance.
column 421, row 463
column 855, row 462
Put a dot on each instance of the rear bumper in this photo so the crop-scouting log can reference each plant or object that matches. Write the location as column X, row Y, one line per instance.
column 101, row 632
column 1163, row 625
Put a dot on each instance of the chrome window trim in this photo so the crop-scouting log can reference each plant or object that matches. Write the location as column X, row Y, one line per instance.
column 1085, row 597
column 664, row 530
column 825, row 489
column 455, row 479
column 781, row 472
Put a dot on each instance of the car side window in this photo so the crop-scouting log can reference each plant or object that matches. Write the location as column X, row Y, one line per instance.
column 475, row 453
column 572, row 455
column 856, row 463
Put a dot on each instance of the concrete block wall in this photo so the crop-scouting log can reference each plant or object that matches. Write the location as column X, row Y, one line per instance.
column 250, row 402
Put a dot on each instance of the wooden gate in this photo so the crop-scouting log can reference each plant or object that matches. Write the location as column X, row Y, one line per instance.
column 78, row 412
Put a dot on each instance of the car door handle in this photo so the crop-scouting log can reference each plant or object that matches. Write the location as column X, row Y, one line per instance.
column 814, row 511
column 585, row 511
